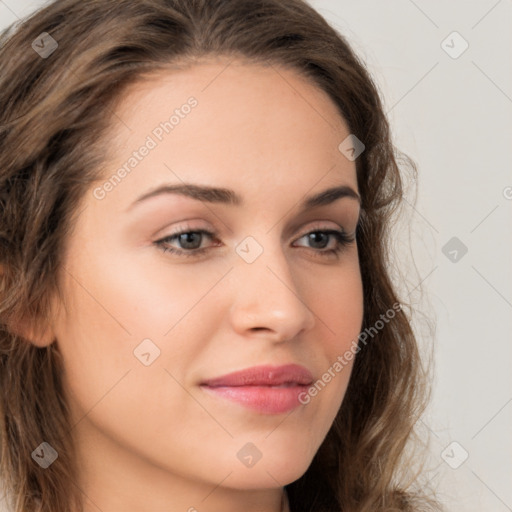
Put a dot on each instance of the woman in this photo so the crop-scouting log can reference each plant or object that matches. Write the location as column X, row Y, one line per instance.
column 196, row 308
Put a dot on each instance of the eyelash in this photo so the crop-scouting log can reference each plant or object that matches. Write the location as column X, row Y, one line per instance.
column 342, row 241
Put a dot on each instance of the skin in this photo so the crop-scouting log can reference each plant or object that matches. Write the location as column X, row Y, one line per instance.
column 149, row 438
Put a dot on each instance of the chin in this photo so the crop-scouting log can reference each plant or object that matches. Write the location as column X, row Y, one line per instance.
column 282, row 461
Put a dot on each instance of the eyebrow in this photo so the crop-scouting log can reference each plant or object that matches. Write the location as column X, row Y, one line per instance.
column 230, row 197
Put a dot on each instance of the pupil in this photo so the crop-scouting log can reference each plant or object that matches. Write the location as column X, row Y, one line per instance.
column 187, row 237
column 316, row 235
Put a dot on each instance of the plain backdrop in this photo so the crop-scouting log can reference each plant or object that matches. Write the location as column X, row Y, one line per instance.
column 444, row 70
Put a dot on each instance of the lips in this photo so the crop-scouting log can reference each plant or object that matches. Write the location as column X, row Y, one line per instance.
column 266, row 389
column 290, row 374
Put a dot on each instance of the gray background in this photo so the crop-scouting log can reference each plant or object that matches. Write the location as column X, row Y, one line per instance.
column 451, row 114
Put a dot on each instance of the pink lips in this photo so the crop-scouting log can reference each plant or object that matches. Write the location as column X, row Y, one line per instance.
column 266, row 389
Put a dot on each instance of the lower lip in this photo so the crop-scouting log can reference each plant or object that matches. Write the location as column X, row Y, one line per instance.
column 264, row 399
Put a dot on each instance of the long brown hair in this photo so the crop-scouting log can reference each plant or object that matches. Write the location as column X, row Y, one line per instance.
column 55, row 113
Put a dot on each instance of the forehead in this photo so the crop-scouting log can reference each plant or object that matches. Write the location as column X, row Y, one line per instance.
column 221, row 120
column 220, row 78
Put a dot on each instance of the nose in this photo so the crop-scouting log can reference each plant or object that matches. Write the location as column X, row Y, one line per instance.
column 268, row 300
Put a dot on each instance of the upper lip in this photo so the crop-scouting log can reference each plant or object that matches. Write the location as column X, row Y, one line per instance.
column 265, row 375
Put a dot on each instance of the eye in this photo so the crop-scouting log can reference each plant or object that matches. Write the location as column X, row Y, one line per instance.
column 322, row 238
column 190, row 241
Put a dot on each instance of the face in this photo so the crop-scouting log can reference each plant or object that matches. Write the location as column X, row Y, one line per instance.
column 166, row 294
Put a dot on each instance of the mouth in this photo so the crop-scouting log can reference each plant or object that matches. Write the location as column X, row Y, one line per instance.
column 265, row 389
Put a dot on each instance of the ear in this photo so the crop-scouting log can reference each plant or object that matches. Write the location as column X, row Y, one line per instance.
column 37, row 331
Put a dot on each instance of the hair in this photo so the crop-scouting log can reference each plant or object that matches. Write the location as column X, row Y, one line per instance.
column 55, row 113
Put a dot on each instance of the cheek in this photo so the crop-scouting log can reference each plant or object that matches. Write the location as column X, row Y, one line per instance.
column 112, row 310
column 104, row 380
column 340, row 308
column 152, row 297
column 94, row 344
